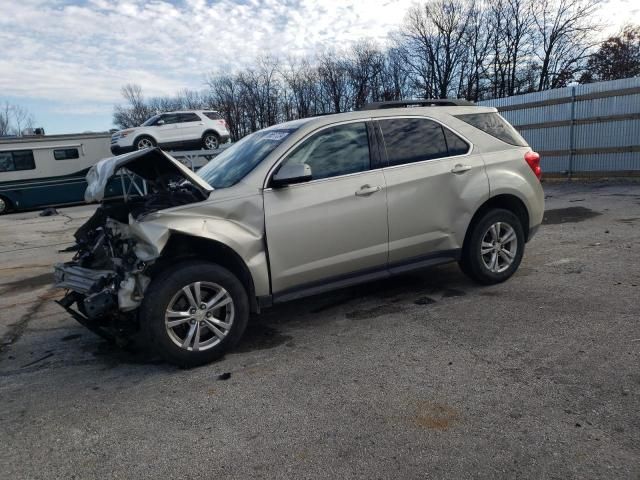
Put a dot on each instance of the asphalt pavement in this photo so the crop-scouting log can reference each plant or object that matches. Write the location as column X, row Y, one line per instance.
column 421, row 376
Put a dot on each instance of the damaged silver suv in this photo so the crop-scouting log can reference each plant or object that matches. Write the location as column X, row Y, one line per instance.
column 298, row 209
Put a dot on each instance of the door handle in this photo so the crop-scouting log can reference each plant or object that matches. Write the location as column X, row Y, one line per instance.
column 366, row 190
column 459, row 168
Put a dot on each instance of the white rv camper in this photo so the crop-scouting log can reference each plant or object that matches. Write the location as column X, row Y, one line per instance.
column 48, row 170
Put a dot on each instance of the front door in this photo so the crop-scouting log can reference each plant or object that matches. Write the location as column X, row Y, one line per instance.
column 167, row 131
column 334, row 225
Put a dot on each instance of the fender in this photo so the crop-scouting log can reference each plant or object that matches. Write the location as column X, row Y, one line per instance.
column 235, row 223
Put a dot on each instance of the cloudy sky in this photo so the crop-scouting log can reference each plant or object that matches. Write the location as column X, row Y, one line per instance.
column 65, row 60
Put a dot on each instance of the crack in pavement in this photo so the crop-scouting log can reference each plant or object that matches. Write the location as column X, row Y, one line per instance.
column 17, row 329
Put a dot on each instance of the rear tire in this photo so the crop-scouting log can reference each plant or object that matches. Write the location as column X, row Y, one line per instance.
column 494, row 247
column 210, row 141
column 194, row 312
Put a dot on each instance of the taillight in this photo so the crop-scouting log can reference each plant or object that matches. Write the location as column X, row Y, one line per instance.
column 533, row 159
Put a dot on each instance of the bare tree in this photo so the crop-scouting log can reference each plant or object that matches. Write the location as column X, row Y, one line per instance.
column 478, row 38
column 466, row 48
column 14, row 119
column 301, row 82
column 565, row 29
column 334, row 81
column 364, row 67
column 136, row 111
column 438, row 30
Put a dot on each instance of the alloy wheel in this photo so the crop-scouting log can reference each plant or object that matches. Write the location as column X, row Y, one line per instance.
column 211, row 142
column 499, row 247
column 144, row 143
column 199, row 316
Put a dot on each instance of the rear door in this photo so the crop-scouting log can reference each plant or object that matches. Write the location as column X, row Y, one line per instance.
column 335, row 225
column 434, row 184
column 189, row 127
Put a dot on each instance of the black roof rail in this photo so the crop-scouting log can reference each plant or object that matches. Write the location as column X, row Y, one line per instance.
column 429, row 102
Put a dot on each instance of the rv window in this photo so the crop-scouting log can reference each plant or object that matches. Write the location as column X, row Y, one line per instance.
column 16, row 160
column 66, row 154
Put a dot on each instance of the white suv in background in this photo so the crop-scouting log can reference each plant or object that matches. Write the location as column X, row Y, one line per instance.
column 172, row 130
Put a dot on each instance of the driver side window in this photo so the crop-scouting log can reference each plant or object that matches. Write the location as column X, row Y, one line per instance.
column 335, row 151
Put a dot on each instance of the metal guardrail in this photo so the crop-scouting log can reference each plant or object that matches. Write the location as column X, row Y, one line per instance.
column 195, row 159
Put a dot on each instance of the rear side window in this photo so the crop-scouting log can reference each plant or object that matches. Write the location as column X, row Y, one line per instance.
column 213, row 115
column 455, row 144
column 494, row 125
column 16, row 160
column 66, row 154
column 335, row 151
column 410, row 140
column 189, row 117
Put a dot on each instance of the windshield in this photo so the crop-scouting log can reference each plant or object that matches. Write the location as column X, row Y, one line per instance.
column 151, row 121
column 237, row 161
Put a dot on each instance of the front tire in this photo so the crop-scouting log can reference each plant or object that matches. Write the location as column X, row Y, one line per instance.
column 5, row 205
column 144, row 142
column 494, row 247
column 194, row 312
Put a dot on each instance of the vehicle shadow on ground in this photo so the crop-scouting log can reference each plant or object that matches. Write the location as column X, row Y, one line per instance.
column 270, row 329
column 273, row 328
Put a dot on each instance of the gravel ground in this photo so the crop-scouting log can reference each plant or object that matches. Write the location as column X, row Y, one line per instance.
column 421, row 376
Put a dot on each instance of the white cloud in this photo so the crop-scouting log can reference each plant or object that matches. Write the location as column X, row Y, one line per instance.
column 86, row 51
column 76, row 54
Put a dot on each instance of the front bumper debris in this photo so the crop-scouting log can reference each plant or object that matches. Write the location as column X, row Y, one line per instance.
column 79, row 279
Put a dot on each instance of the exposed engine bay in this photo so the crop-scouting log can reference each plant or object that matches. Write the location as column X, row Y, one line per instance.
column 110, row 270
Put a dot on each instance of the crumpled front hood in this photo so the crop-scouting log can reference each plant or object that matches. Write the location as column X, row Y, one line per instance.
column 152, row 164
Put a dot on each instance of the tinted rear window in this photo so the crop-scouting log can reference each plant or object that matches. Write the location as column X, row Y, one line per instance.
column 494, row 125
column 213, row 115
column 455, row 144
column 410, row 140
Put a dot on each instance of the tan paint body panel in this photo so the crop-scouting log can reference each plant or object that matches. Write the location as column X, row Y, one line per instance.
column 236, row 221
column 321, row 229
column 509, row 174
column 430, row 207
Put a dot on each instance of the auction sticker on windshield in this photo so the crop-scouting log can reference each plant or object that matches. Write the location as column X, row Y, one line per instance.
column 277, row 135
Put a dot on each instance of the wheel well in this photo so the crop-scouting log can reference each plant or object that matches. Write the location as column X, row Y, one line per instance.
column 145, row 135
column 211, row 131
column 183, row 247
column 506, row 202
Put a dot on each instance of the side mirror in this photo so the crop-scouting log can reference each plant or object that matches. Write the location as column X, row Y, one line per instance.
column 290, row 174
column 159, row 123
